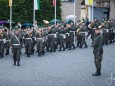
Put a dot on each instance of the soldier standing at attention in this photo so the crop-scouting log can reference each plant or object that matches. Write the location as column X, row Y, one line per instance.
column 16, row 47
column 98, row 51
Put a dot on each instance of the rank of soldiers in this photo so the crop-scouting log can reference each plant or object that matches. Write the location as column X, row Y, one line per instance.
column 52, row 38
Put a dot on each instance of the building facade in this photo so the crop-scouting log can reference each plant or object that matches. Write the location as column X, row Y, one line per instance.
column 68, row 8
column 102, row 9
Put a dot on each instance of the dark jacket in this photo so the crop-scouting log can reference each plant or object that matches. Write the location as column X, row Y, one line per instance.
column 98, row 44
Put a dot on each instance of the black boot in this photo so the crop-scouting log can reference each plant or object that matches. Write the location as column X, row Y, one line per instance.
column 97, row 73
column 7, row 53
column 59, row 49
column 28, row 55
column 86, row 46
column 69, row 48
column 14, row 63
column 18, row 63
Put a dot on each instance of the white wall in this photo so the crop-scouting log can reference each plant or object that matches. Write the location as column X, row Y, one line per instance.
column 112, row 9
column 68, row 9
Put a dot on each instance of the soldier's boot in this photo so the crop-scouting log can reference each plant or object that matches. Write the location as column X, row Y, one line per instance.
column 7, row 52
column 59, row 49
column 28, row 55
column 97, row 73
column 14, row 63
column 63, row 49
column 69, row 48
column 2, row 55
column 39, row 54
column 43, row 52
column 80, row 46
column 18, row 63
column 74, row 47
column 85, row 46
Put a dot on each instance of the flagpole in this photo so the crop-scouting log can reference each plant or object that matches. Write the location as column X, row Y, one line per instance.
column 33, row 13
column 10, row 18
column 55, row 11
column 33, row 16
column 92, row 10
column 74, row 10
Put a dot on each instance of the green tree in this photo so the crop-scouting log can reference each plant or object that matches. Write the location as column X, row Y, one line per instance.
column 23, row 10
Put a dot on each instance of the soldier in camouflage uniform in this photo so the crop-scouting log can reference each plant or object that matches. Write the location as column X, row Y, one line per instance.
column 98, row 51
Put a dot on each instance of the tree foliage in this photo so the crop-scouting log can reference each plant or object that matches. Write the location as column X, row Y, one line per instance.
column 23, row 10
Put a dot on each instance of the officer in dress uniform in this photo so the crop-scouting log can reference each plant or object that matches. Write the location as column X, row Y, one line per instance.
column 28, row 42
column 16, row 47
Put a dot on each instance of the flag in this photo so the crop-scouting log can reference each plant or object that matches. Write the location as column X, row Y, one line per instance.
column 10, row 3
column 54, row 2
column 36, row 5
column 88, row 2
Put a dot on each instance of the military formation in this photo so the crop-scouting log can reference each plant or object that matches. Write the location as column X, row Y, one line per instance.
column 59, row 37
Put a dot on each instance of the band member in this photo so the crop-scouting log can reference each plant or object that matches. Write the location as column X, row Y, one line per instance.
column 16, row 47
column 6, row 36
column 1, row 44
column 28, row 42
column 40, row 43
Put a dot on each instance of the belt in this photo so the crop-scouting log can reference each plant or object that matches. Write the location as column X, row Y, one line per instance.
column 67, row 33
column 28, row 38
column 39, row 38
column 72, row 31
column 16, row 44
column 1, row 39
column 7, row 40
column 82, row 32
column 55, row 35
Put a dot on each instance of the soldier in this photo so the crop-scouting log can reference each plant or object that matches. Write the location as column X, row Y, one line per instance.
column 40, row 43
column 1, row 44
column 98, row 51
column 67, row 36
column 33, row 39
column 83, row 29
column 16, row 47
column 62, row 38
column 53, row 39
column 28, row 42
column 71, row 35
column 106, row 32
column 6, row 36
column 48, row 40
